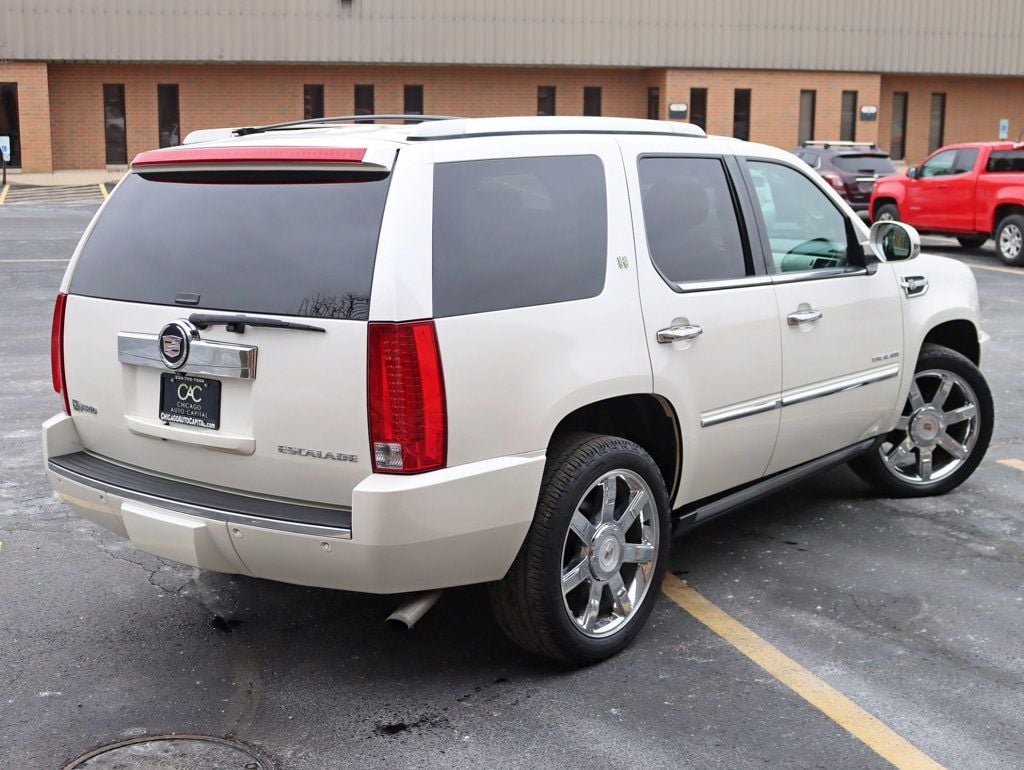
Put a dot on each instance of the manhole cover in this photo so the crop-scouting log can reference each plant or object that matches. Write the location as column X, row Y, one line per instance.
column 173, row 752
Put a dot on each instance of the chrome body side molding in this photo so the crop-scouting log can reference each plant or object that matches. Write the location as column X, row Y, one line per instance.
column 797, row 396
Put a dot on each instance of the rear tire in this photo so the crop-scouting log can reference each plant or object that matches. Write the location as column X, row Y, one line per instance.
column 942, row 434
column 887, row 212
column 589, row 572
column 972, row 241
column 1009, row 239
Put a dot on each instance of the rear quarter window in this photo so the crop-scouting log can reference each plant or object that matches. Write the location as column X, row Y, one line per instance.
column 1006, row 161
column 287, row 247
column 518, row 232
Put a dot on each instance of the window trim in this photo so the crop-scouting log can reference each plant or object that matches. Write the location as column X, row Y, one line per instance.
column 756, row 272
column 858, row 264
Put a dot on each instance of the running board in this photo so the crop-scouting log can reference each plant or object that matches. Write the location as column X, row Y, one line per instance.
column 705, row 510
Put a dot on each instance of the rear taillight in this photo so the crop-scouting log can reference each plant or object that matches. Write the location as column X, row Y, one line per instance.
column 408, row 423
column 836, row 181
column 57, row 349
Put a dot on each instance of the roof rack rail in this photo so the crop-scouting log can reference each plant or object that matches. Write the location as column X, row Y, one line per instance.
column 827, row 143
column 466, row 128
column 246, row 130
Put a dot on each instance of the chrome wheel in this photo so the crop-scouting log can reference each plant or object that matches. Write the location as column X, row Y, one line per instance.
column 937, row 431
column 610, row 553
column 885, row 215
column 1011, row 240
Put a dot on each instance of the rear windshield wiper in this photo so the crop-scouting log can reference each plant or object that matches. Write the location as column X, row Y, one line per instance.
column 237, row 323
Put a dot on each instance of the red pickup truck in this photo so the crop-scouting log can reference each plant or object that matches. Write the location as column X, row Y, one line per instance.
column 971, row 191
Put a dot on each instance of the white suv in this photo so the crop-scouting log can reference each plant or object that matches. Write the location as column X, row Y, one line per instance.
column 520, row 351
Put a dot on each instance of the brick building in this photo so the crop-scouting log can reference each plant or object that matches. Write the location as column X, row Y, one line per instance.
column 90, row 83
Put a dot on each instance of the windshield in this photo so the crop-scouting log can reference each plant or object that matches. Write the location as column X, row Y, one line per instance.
column 875, row 165
column 276, row 244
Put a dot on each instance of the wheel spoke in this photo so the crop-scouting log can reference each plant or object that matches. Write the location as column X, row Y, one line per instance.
column 593, row 607
column 582, row 527
column 637, row 501
column 945, row 386
column 965, row 412
column 899, row 453
column 951, row 445
column 575, row 574
column 609, row 490
column 924, row 463
column 620, row 596
column 637, row 553
column 916, row 399
column 903, row 423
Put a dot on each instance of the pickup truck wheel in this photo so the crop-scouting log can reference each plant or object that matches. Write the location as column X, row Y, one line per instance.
column 972, row 241
column 887, row 212
column 588, row 574
column 1010, row 240
column 942, row 434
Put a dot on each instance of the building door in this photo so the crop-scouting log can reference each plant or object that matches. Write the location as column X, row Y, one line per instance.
column 114, row 126
column 9, row 125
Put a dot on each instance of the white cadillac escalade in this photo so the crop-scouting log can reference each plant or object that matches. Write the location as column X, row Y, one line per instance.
column 515, row 351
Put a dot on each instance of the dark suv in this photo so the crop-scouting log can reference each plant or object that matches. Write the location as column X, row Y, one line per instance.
column 852, row 168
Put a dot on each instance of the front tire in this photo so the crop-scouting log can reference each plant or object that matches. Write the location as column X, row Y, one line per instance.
column 1009, row 239
column 587, row 576
column 887, row 212
column 942, row 434
column 972, row 241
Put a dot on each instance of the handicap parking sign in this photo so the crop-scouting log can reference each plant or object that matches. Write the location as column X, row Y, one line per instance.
column 5, row 148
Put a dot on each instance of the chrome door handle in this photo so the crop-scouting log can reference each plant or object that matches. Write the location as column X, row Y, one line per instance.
column 803, row 317
column 679, row 333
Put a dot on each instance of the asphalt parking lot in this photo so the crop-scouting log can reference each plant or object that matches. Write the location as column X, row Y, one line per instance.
column 913, row 610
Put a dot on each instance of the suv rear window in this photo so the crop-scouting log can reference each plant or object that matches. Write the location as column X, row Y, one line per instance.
column 295, row 248
column 864, row 164
column 518, row 232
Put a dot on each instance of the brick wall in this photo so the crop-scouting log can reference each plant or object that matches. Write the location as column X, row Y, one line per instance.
column 226, row 95
column 973, row 109
column 33, row 112
column 775, row 101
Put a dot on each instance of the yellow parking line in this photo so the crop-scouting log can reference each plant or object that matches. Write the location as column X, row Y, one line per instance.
column 871, row 731
column 103, row 191
column 995, row 269
column 17, row 261
column 3, row 193
column 1013, row 463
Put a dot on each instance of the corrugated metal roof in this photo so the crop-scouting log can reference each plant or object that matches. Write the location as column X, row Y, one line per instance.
column 978, row 37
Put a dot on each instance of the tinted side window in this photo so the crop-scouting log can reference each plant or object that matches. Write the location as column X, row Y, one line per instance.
column 518, row 232
column 965, row 160
column 693, row 233
column 805, row 230
column 1006, row 161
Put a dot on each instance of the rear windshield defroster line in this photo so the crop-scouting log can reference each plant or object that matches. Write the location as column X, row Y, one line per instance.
column 292, row 245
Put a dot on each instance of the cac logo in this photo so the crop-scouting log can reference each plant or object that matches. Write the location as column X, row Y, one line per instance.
column 193, row 393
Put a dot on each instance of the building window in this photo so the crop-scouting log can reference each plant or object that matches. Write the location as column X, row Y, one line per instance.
column 313, row 101
column 114, row 124
column 741, row 113
column 848, row 117
column 9, row 124
column 805, row 129
column 898, row 142
column 937, row 124
column 364, row 101
column 592, row 100
column 545, row 100
column 413, row 100
column 168, row 115
column 699, row 107
column 653, row 103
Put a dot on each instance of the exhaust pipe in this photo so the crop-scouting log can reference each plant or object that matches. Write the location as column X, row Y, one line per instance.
column 409, row 613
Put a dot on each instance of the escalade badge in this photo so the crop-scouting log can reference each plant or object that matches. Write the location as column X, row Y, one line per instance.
column 174, row 342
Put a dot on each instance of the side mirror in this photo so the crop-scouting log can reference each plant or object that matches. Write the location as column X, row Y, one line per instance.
column 912, row 172
column 893, row 241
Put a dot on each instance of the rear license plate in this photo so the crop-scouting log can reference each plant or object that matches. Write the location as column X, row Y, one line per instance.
column 190, row 400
